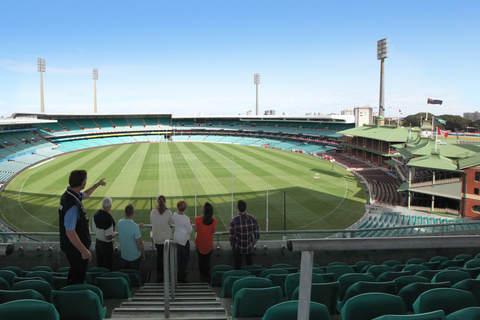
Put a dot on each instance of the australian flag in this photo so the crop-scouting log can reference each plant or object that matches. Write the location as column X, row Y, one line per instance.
column 432, row 101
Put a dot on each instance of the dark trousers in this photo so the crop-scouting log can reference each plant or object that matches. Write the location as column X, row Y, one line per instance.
column 237, row 259
column 183, row 256
column 104, row 254
column 204, row 265
column 159, row 261
column 134, row 264
column 78, row 267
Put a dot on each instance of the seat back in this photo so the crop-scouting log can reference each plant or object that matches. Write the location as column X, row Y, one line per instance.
column 251, row 282
column 47, row 276
column 113, row 288
column 471, row 285
column 4, row 284
column 135, row 277
column 289, row 309
column 392, row 275
column 434, row 315
column 117, row 274
column 227, row 274
column 415, row 261
column 12, row 295
column 391, row 263
column 347, row 280
column 406, row 280
column 9, row 276
column 228, row 284
column 84, row 286
column 15, row 269
column 254, row 302
column 83, row 304
column 293, row 281
column 411, row 292
column 447, row 299
column 429, row 274
column 99, row 269
column 362, row 287
column 470, row 313
column 266, row 272
column 414, row 268
column 217, row 274
column 278, row 280
column 42, row 268
column 41, row 286
column 339, row 270
column 324, row 293
column 453, row 276
column 378, row 270
column 28, row 309
column 367, row 306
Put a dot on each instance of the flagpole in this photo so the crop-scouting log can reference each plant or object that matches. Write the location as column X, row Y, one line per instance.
column 433, row 120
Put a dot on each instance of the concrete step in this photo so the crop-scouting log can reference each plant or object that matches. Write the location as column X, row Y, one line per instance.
column 175, row 313
column 173, row 304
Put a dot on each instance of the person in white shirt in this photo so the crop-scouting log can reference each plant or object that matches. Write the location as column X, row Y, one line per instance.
column 161, row 220
column 183, row 228
column 104, row 227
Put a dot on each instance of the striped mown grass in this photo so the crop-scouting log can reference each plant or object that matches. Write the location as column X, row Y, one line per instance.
column 317, row 194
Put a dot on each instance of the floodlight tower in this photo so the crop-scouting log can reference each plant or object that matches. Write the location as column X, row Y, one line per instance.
column 95, row 78
column 256, row 81
column 382, row 53
column 41, row 69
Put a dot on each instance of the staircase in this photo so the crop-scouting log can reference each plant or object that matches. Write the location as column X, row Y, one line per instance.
column 192, row 301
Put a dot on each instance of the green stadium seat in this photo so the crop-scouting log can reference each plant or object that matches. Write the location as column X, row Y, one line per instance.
column 47, row 276
column 362, row 287
column 228, row 285
column 392, row 275
column 434, row 315
column 339, row 270
column 28, row 309
column 289, row 309
column 266, row 272
column 72, row 305
column 42, row 268
column 17, row 270
column 292, row 281
column 471, row 285
column 12, row 295
column 84, row 286
column 406, row 280
column 411, row 292
column 278, row 280
column 324, row 293
column 41, row 286
column 470, row 313
column 135, row 277
column 250, row 282
column 9, row 276
column 447, row 299
column 453, row 276
column 254, row 302
column 348, row 279
column 113, row 288
column 367, row 306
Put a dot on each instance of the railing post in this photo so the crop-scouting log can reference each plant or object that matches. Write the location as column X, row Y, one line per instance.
column 169, row 274
column 306, row 266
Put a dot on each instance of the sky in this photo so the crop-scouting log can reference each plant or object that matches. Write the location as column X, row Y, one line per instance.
column 199, row 57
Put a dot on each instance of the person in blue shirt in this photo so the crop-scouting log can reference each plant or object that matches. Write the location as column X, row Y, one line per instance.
column 75, row 238
column 131, row 244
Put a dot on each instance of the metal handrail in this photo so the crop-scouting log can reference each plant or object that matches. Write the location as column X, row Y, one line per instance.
column 169, row 274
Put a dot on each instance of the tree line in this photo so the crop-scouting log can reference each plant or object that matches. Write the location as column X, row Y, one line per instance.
column 453, row 123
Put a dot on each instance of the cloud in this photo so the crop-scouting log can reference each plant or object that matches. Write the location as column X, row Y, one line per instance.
column 17, row 66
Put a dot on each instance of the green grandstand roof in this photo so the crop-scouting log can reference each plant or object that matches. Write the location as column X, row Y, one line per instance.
column 449, row 148
column 434, row 161
column 468, row 162
column 383, row 133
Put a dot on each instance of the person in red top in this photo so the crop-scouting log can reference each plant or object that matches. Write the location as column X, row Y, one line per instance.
column 205, row 227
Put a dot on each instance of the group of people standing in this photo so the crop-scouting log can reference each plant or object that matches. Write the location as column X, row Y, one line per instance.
column 75, row 237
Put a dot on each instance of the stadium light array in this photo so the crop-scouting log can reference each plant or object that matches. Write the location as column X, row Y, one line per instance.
column 41, row 69
column 95, row 78
column 382, row 54
column 256, row 82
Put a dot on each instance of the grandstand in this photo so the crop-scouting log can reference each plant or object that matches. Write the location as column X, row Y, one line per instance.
column 453, row 238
